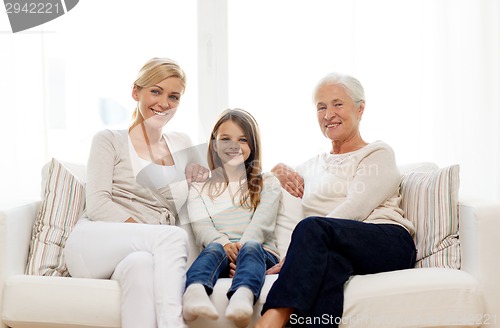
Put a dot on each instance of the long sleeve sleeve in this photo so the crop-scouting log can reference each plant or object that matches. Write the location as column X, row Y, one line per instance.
column 376, row 179
column 264, row 218
column 203, row 226
column 100, row 169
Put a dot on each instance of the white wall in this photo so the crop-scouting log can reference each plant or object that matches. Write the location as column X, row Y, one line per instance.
column 430, row 69
column 22, row 138
column 52, row 78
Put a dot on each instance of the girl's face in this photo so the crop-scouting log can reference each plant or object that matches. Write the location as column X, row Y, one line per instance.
column 231, row 144
column 158, row 104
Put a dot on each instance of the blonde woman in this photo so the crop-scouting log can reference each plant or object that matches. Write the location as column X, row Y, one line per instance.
column 233, row 217
column 136, row 183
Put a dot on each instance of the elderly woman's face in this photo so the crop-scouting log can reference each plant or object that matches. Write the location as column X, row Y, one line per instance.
column 338, row 114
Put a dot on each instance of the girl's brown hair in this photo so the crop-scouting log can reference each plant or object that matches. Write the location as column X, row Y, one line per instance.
column 250, row 193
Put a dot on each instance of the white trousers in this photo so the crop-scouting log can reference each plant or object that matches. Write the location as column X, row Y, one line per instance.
column 149, row 261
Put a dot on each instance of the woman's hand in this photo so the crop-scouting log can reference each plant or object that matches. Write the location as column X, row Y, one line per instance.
column 130, row 220
column 276, row 268
column 232, row 250
column 196, row 173
column 289, row 179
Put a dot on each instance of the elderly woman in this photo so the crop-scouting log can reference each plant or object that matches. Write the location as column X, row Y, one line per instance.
column 354, row 224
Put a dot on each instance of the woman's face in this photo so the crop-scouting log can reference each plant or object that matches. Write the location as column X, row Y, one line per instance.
column 231, row 144
column 157, row 104
column 338, row 115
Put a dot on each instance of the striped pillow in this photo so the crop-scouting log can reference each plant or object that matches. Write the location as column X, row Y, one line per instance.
column 63, row 200
column 430, row 202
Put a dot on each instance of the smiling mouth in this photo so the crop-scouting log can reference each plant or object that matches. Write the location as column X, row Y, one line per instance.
column 332, row 125
column 234, row 154
column 159, row 113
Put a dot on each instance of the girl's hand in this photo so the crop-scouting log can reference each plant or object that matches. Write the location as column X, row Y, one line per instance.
column 289, row 179
column 276, row 268
column 196, row 173
column 232, row 250
column 232, row 269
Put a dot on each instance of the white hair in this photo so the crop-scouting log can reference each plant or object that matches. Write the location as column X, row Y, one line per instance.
column 352, row 86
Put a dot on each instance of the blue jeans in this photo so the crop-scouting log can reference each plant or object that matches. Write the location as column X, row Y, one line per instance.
column 251, row 265
column 324, row 253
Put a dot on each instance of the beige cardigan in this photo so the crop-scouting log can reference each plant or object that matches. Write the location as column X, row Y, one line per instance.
column 113, row 192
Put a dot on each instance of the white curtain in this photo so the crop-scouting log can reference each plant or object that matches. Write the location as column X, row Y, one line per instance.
column 22, row 142
column 57, row 80
column 430, row 71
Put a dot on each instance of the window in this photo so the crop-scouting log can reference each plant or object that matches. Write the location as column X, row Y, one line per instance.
column 73, row 76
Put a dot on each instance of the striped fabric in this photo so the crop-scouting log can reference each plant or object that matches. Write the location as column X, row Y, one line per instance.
column 430, row 201
column 63, row 201
column 221, row 220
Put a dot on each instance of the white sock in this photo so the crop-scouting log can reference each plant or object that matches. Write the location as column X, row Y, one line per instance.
column 196, row 303
column 240, row 308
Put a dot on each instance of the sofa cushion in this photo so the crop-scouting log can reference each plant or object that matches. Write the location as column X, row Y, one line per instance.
column 406, row 298
column 424, row 297
column 430, row 202
column 398, row 299
column 289, row 214
column 60, row 302
column 63, row 200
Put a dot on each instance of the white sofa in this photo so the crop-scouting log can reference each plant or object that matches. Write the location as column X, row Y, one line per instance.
column 424, row 297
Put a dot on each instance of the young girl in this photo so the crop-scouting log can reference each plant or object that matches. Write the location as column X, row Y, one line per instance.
column 233, row 215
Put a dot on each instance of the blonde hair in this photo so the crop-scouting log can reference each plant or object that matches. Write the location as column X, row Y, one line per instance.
column 250, row 196
column 156, row 70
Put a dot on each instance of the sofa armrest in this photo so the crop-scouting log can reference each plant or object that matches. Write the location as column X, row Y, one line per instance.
column 479, row 243
column 16, row 225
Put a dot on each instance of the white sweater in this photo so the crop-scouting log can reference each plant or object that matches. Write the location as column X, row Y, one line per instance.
column 361, row 185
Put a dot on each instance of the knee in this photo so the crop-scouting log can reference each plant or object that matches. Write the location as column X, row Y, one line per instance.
column 139, row 259
column 136, row 264
column 214, row 248
column 174, row 237
column 180, row 236
column 251, row 246
column 308, row 225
